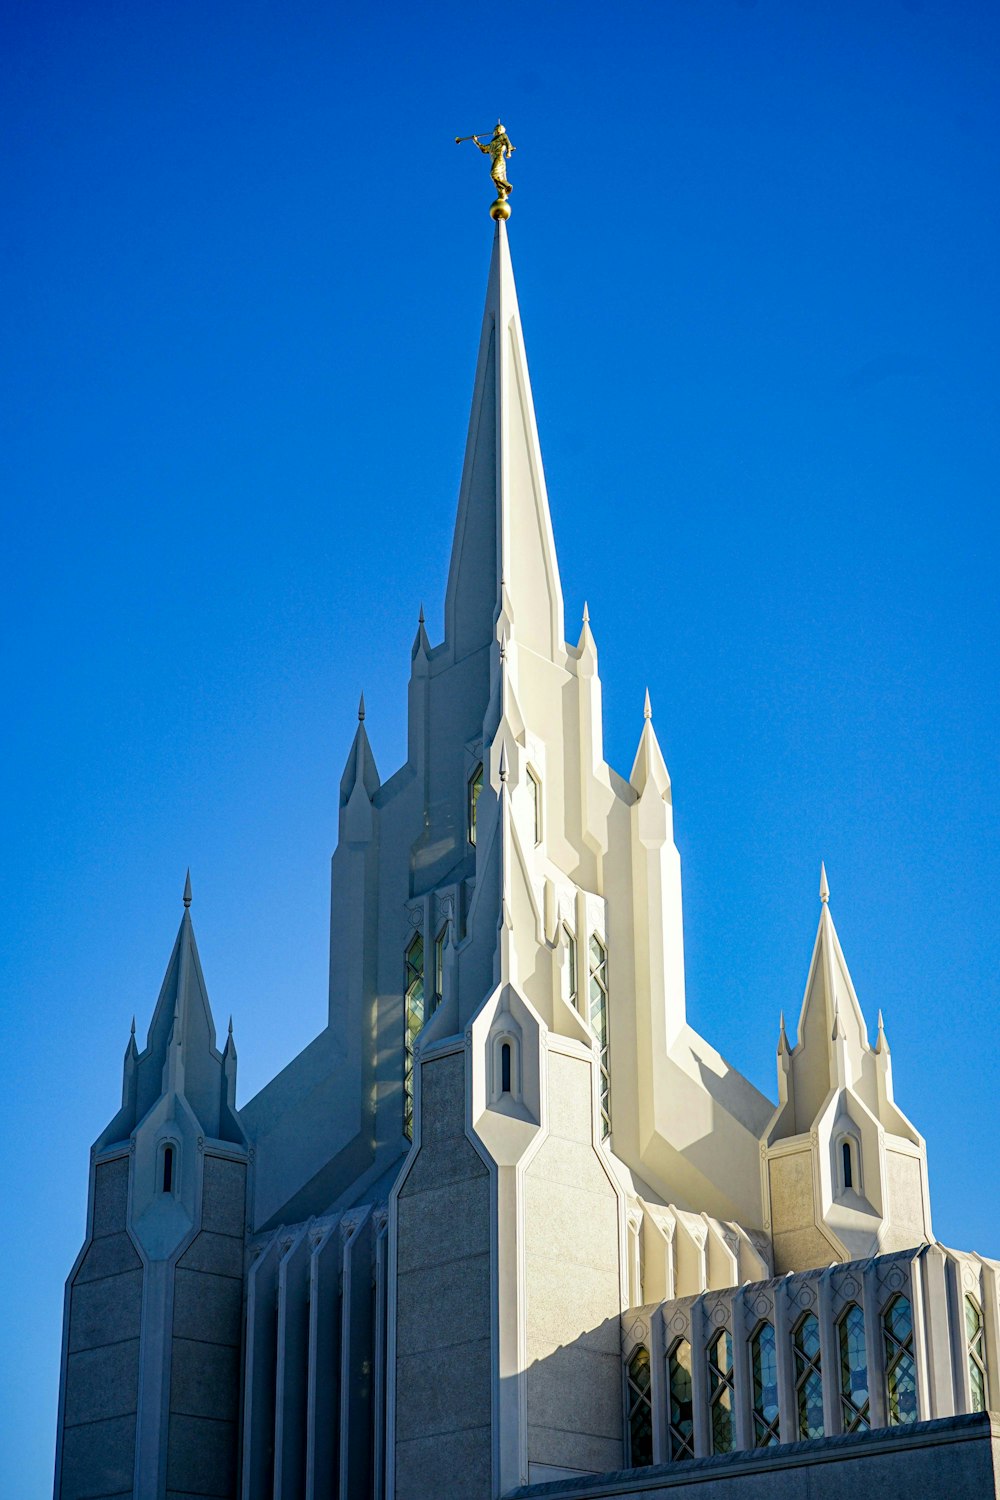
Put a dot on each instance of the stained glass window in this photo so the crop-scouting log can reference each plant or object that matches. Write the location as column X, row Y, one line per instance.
column 722, row 1413
column 854, row 1404
column 475, row 787
column 900, row 1370
column 808, row 1377
column 680, row 1430
column 640, row 1410
column 413, row 1021
column 848, row 1162
column 599, row 1022
column 764, row 1364
column 438, row 969
column 975, row 1334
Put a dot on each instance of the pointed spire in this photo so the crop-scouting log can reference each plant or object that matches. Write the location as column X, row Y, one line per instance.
column 824, row 885
column 838, row 1032
column 361, row 709
column 783, row 1048
column 503, row 762
column 882, row 1044
column 649, row 764
column 647, row 710
column 133, row 1023
column 230, row 1025
column 420, row 617
column 187, row 890
column 586, row 613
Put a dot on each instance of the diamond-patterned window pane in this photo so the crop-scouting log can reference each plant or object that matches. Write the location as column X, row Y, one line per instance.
column 413, row 1020
column 640, row 1412
column 720, row 1387
column 808, row 1377
column 599, row 1023
column 975, row 1333
column 900, row 1370
column 475, row 787
column 764, row 1364
column 854, row 1408
column 681, row 1424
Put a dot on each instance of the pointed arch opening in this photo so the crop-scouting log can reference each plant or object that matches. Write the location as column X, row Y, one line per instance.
column 413, row 1020
column 721, row 1392
column 900, row 1366
column 975, row 1335
column 854, row 1399
column 680, row 1392
column 473, row 794
column 764, row 1373
column 808, row 1377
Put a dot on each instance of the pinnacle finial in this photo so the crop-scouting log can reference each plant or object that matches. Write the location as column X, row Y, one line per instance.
column 824, row 884
column 647, row 708
column 503, row 644
column 187, row 890
column 133, row 1024
column 586, row 613
column 230, row 1025
column 420, row 617
column 782, row 1035
column 361, row 709
column 503, row 761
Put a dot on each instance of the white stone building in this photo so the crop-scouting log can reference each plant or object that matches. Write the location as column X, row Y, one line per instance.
column 509, row 1225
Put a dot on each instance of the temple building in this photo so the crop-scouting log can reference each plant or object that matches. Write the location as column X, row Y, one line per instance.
column 509, row 1225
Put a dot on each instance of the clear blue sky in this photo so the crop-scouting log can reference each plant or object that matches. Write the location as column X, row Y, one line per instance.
column 243, row 265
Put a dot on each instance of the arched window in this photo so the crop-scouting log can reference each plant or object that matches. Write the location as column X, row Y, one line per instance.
column 640, row 1410
column 722, row 1412
column 808, row 1377
column 975, row 1333
column 413, row 1020
column 854, row 1408
column 599, row 1022
column 847, row 1161
column 680, row 1430
column 505, row 1056
column 167, row 1180
column 764, row 1367
column 900, row 1370
column 475, row 787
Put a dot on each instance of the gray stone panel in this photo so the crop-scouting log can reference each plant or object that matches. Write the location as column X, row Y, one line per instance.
column 580, row 1382
column 108, row 1256
column 454, row 1159
column 209, row 1308
column 446, row 1390
column 98, row 1459
column 223, row 1200
column 102, row 1383
column 201, row 1457
column 110, row 1196
column 458, row 1290
column 106, row 1311
column 452, row 1467
column 574, row 1450
column 205, row 1380
column 219, row 1253
column 423, row 1215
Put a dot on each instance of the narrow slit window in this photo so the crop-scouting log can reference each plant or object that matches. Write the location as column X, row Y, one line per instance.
column 854, row 1408
column 599, row 1025
column 900, row 1367
column 413, row 1020
column 640, row 1409
column 535, row 785
column 475, row 787
column 847, row 1158
column 680, row 1430
column 439, row 942
column 505, row 1067
column 168, row 1169
column 572, row 992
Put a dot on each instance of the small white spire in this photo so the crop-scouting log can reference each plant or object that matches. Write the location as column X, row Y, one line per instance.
column 838, row 1025
column 783, row 1047
column 824, row 884
column 230, row 1025
column 361, row 709
column 586, row 613
column 133, row 1024
column 503, row 644
column 503, row 761
column 420, row 617
column 187, row 890
column 647, row 708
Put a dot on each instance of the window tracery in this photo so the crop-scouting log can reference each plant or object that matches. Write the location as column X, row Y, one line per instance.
column 640, row 1409
column 722, row 1412
column 764, row 1367
column 680, row 1428
column 854, row 1400
column 900, row 1368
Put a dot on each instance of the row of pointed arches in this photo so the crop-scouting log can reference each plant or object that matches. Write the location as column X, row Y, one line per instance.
column 852, row 1398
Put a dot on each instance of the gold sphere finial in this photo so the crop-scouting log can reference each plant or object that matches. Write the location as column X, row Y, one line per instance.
column 500, row 209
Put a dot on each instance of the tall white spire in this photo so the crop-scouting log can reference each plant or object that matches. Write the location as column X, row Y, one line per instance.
column 503, row 526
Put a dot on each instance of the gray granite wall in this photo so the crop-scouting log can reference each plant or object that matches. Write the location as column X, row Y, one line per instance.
column 443, row 1354
column 102, row 1366
column 206, row 1343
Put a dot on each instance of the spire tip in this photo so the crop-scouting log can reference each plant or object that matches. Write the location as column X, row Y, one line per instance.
column 647, row 708
column 361, row 709
column 187, row 890
column 824, row 885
